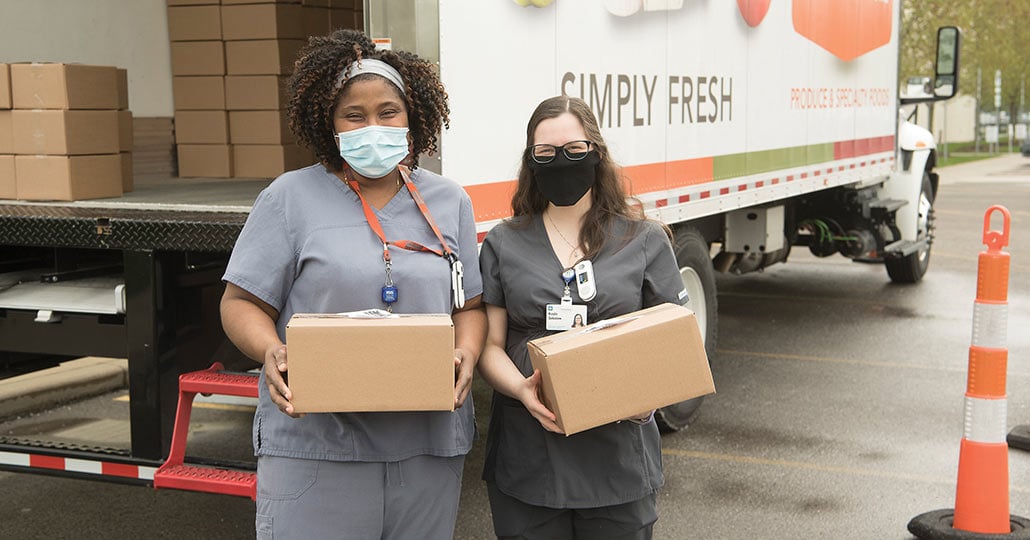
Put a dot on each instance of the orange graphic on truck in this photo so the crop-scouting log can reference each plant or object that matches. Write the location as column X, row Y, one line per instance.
column 846, row 28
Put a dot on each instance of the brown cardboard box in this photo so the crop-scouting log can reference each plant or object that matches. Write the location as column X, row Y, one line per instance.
column 6, row 132
column 341, row 363
column 359, row 19
column 259, row 127
column 125, row 131
column 230, row 2
column 64, row 86
column 68, row 178
column 198, row 58
column 611, row 370
column 8, row 187
column 261, row 57
column 194, row 23
column 267, row 160
column 348, row 4
column 263, row 21
column 128, row 183
column 316, row 20
column 5, row 86
column 65, row 132
column 341, row 18
column 255, row 92
column 315, row 3
column 123, row 89
column 191, row 2
column 205, row 160
column 199, row 93
column 201, row 127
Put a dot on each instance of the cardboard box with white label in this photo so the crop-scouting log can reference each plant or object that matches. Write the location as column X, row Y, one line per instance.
column 617, row 368
column 371, row 361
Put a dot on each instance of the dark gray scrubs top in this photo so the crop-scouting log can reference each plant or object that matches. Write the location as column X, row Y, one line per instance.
column 604, row 466
column 307, row 248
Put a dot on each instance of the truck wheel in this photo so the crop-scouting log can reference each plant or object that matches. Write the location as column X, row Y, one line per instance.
column 911, row 268
column 699, row 280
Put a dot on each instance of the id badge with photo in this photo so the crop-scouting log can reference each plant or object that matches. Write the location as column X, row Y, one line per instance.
column 565, row 316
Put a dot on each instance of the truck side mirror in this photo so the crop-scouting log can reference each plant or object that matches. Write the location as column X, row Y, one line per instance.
column 945, row 83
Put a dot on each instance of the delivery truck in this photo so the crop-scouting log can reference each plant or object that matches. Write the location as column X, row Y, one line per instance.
column 749, row 128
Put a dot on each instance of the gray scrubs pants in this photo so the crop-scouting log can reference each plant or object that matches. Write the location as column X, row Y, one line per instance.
column 516, row 520
column 312, row 500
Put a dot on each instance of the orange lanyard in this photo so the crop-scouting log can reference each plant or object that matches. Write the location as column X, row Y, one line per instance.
column 410, row 245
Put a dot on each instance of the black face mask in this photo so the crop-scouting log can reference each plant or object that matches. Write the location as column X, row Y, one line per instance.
column 564, row 181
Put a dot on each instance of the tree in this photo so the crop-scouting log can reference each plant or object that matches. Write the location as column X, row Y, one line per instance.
column 995, row 36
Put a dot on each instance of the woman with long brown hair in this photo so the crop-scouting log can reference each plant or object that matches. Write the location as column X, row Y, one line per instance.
column 574, row 249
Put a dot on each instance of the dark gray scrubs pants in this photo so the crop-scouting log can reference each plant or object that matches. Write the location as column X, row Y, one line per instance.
column 353, row 500
column 516, row 520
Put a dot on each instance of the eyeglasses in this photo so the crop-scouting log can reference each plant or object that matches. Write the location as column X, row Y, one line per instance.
column 574, row 151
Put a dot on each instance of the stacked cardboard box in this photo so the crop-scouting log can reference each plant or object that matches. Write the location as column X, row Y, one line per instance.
column 346, row 14
column 198, row 84
column 229, row 81
column 261, row 43
column 317, row 17
column 70, row 132
column 7, row 183
column 126, row 131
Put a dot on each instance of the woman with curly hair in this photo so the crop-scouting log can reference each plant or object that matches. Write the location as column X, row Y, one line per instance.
column 347, row 234
column 571, row 227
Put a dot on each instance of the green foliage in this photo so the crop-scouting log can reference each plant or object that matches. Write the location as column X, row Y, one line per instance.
column 964, row 152
column 995, row 35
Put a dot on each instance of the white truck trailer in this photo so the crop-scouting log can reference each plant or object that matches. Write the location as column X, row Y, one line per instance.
column 748, row 127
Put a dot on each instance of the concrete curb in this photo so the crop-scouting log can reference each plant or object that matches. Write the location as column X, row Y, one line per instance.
column 69, row 381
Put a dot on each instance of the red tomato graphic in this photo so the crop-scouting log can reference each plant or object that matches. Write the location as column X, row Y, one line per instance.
column 753, row 11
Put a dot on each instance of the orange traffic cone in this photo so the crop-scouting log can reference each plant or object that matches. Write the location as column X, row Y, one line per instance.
column 982, row 495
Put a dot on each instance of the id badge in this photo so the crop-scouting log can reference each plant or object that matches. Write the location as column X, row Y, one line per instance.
column 458, row 283
column 565, row 316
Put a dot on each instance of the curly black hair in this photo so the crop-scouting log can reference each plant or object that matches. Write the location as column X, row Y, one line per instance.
column 313, row 93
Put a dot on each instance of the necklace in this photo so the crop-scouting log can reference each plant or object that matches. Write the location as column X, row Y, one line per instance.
column 575, row 248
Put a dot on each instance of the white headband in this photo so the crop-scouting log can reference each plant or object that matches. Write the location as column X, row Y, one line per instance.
column 371, row 65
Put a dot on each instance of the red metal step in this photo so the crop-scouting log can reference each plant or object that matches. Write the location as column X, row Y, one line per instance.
column 177, row 475
column 206, row 479
column 212, row 381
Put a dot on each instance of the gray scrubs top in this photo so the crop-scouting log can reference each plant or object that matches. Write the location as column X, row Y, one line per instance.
column 608, row 465
column 307, row 248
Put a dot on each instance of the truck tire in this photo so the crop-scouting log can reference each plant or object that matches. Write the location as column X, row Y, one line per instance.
column 699, row 280
column 911, row 268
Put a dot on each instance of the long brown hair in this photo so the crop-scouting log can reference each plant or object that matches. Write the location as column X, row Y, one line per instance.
column 608, row 197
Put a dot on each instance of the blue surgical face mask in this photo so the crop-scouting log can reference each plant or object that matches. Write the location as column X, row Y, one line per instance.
column 374, row 151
